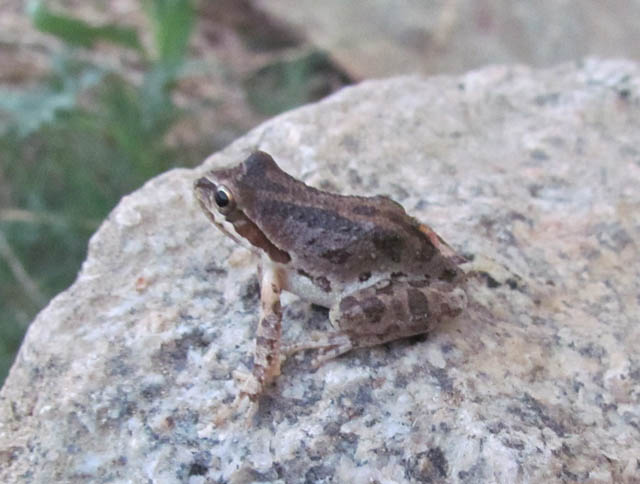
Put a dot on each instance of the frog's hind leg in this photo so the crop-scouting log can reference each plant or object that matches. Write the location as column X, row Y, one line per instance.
column 383, row 312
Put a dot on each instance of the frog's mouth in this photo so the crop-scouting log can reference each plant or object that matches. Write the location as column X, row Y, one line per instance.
column 205, row 191
column 235, row 223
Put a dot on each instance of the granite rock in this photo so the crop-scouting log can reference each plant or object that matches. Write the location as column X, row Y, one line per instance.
column 119, row 377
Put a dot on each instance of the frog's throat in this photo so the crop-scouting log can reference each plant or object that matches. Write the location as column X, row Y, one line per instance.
column 240, row 228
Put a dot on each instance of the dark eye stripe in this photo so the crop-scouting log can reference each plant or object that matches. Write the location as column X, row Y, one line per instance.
column 251, row 232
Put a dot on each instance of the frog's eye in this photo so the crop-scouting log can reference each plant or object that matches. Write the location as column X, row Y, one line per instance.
column 223, row 198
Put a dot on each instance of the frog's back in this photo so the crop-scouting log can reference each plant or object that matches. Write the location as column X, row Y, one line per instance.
column 352, row 235
column 368, row 235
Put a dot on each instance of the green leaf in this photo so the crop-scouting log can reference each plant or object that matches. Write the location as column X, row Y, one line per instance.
column 173, row 22
column 27, row 110
column 77, row 32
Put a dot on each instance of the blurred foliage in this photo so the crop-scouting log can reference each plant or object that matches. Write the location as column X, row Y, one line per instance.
column 172, row 25
column 79, row 33
column 29, row 109
column 72, row 146
column 292, row 82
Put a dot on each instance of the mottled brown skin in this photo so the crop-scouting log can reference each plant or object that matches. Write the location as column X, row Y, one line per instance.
column 383, row 275
column 359, row 234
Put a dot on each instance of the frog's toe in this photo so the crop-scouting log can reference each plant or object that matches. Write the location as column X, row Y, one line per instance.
column 247, row 384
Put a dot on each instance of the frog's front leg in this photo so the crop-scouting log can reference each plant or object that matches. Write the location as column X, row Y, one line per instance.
column 386, row 311
column 266, row 355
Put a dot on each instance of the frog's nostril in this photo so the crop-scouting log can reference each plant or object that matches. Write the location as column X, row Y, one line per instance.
column 204, row 184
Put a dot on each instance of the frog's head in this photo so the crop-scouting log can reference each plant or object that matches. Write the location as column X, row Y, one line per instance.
column 229, row 196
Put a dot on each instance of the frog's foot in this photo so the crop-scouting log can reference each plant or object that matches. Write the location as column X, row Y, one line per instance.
column 248, row 384
column 329, row 346
column 242, row 410
column 493, row 272
column 246, row 402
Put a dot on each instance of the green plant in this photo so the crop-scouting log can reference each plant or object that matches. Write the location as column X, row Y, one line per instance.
column 72, row 146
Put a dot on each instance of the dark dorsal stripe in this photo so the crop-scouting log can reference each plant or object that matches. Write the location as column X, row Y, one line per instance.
column 250, row 231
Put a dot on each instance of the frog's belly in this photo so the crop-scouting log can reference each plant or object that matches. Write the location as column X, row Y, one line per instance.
column 321, row 290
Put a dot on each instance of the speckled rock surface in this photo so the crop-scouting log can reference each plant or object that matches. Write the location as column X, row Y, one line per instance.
column 119, row 376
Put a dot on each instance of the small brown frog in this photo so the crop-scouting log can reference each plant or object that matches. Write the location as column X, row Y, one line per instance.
column 382, row 274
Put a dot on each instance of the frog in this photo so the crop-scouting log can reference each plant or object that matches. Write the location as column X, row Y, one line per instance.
column 382, row 274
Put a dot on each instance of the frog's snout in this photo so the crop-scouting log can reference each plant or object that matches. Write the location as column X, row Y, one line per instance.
column 204, row 190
